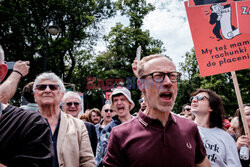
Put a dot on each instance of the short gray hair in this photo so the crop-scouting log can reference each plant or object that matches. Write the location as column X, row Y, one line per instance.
column 1, row 54
column 69, row 94
column 144, row 60
column 49, row 76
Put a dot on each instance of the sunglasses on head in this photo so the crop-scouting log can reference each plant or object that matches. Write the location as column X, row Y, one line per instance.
column 44, row 86
column 198, row 98
column 107, row 110
column 69, row 104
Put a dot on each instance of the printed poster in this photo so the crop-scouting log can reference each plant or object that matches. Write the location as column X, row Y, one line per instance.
column 218, row 43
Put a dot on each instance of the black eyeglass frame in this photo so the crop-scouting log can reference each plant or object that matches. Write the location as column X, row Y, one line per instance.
column 178, row 75
column 42, row 87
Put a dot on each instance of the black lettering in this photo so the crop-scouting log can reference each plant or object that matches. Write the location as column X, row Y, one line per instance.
column 233, row 45
column 204, row 52
column 229, row 61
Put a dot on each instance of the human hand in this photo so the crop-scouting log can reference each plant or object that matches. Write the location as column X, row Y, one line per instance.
column 243, row 140
column 134, row 67
column 22, row 66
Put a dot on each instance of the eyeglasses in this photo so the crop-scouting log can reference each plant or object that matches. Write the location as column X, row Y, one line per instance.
column 69, row 104
column 159, row 77
column 187, row 109
column 44, row 86
column 199, row 98
column 107, row 110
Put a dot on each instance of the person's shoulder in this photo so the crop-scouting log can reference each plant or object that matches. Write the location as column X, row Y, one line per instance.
column 110, row 125
column 222, row 133
column 20, row 116
column 127, row 126
column 183, row 121
column 17, row 111
column 90, row 125
column 71, row 119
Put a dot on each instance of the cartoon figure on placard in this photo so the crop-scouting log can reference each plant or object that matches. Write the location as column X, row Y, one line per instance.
column 221, row 17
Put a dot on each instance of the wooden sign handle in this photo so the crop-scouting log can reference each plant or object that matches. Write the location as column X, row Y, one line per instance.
column 239, row 99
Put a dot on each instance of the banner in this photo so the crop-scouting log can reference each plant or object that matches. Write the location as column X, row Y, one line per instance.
column 218, row 43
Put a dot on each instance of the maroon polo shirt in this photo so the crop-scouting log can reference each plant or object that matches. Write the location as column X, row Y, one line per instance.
column 145, row 142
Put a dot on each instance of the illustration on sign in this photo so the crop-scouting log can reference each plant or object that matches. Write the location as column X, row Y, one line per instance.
column 221, row 17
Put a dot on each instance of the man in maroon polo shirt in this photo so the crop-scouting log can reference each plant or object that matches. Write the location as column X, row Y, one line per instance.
column 157, row 137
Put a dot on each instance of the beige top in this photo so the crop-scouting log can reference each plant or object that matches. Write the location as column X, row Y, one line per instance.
column 73, row 144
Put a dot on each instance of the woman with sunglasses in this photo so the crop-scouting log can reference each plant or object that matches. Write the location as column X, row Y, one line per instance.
column 220, row 147
column 70, row 137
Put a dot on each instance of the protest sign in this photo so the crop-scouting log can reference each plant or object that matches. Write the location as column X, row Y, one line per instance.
column 221, row 39
column 219, row 46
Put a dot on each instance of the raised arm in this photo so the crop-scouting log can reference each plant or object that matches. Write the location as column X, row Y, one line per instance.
column 8, row 88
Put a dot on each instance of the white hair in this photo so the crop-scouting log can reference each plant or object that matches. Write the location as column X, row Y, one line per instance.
column 1, row 54
column 69, row 94
column 49, row 76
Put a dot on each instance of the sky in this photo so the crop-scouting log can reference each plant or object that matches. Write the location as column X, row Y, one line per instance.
column 168, row 23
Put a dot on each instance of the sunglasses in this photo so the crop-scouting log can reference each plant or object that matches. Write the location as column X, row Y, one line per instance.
column 198, row 98
column 107, row 110
column 187, row 109
column 44, row 86
column 140, row 100
column 69, row 104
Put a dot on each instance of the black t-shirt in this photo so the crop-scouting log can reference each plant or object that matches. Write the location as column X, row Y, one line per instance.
column 24, row 139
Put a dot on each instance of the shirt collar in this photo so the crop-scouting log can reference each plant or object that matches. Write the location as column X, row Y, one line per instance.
column 145, row 120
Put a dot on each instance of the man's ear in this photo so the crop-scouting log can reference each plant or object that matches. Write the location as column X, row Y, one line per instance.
column 3, row 71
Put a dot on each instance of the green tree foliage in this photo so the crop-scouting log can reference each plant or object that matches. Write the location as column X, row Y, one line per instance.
column 23, row 33
column 122, row 44
column 222, row 84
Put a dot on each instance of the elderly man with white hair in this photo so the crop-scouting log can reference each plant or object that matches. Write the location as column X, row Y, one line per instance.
column 70, row 137
column 72, row 105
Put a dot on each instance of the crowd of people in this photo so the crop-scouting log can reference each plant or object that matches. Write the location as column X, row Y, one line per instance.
column 48, row 130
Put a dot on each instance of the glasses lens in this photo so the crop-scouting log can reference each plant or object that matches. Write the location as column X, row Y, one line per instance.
column 198, row 98
column 173, row 76
column 158, row 77
column 53, row 87
column 187, row 109
column 69, row 104
column 107, row 110
column 41, row 87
